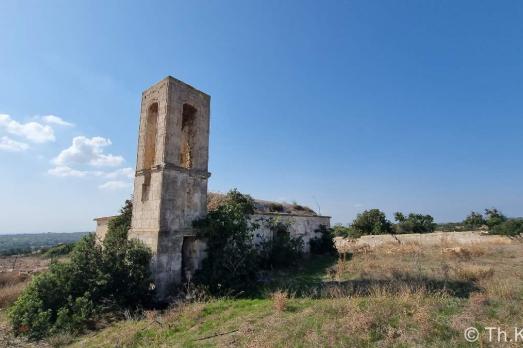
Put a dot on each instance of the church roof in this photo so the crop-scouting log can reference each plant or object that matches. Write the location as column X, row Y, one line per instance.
column 264, row 207
column 214, row 200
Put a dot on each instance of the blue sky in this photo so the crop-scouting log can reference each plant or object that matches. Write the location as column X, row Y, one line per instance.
column 411, row 106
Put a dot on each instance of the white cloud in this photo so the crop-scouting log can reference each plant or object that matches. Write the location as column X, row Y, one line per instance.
column 64, row 171
column 88, row 151
column 32, row 131
column 115, row 185
column 122, row 172
column 8, row 144
column 53, row 119
column 116, row 175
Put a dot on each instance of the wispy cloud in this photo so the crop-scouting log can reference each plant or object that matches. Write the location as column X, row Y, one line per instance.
column 32, row 131
column 122, row 172
column 88, row 151
column 115, row 185
column 53, row 119
column 64, row 171
column 8, row 144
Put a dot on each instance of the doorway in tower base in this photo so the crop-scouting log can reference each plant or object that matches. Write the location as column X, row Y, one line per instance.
column 193, row 253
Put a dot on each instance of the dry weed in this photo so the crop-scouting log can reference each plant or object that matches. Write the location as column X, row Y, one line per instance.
column 336, row 272
column 9, row 294
column 194, row 310
column 473, row 272
column 476, row 249
column 173, row 313
column 12, row 278
column 408, row 248
column 11, row 285
column 280, row 300
column 362, row 249
column 457, row 252
column 178, row 309
column 60, row 340
column 333, row 292
column 151, row 315
column 357, row 320
column 500, row 289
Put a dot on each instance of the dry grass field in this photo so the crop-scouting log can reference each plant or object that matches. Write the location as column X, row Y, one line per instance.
column 24, row 264
column 392, row 296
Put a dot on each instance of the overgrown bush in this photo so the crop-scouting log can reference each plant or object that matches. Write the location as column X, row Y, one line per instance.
column 233, row 258
column 451, row 227
column 96, row 280
column 371, row 221
column 232, row 261
column 324, row 244
column 276, row 207
column 282, row 250
column 510, row 227
column 494, row 217
column 496, row 221
column 414, row 223
column 341, row 231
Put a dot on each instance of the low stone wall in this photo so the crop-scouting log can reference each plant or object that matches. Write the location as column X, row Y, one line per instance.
column 426, row 239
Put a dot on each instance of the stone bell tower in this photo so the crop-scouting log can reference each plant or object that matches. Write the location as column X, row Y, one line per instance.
column 170, row 187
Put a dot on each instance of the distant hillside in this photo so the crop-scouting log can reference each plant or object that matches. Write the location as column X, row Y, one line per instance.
column 11, row 244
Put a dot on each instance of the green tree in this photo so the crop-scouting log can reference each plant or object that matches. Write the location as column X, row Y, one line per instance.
column 510, row 227
column 399, row 217
column 414, row 223
column 341, row 231
column 95, row 281
column 119, row 225
column 232, row 261
column 494, row 217
column 474, row 220
column 371, row 221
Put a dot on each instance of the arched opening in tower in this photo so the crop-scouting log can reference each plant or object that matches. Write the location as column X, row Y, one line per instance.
column 188, row 136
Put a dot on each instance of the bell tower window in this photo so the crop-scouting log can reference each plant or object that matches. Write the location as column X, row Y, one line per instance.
column 188, row 136
column 151, row 126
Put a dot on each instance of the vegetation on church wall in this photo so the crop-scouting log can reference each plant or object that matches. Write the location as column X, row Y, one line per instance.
column 97, row 280
column 324, row 243
column 233, row 258
column 281, row 250
column 231, row 262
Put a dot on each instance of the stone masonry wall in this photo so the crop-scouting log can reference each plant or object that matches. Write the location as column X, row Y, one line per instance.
column 426, row 239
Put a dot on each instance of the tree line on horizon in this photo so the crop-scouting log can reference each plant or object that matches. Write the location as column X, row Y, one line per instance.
column 375, row 222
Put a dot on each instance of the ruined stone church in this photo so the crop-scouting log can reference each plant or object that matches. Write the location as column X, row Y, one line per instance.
column 170, row 185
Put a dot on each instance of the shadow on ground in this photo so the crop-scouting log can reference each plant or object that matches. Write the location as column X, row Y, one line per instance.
column 311, row 279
